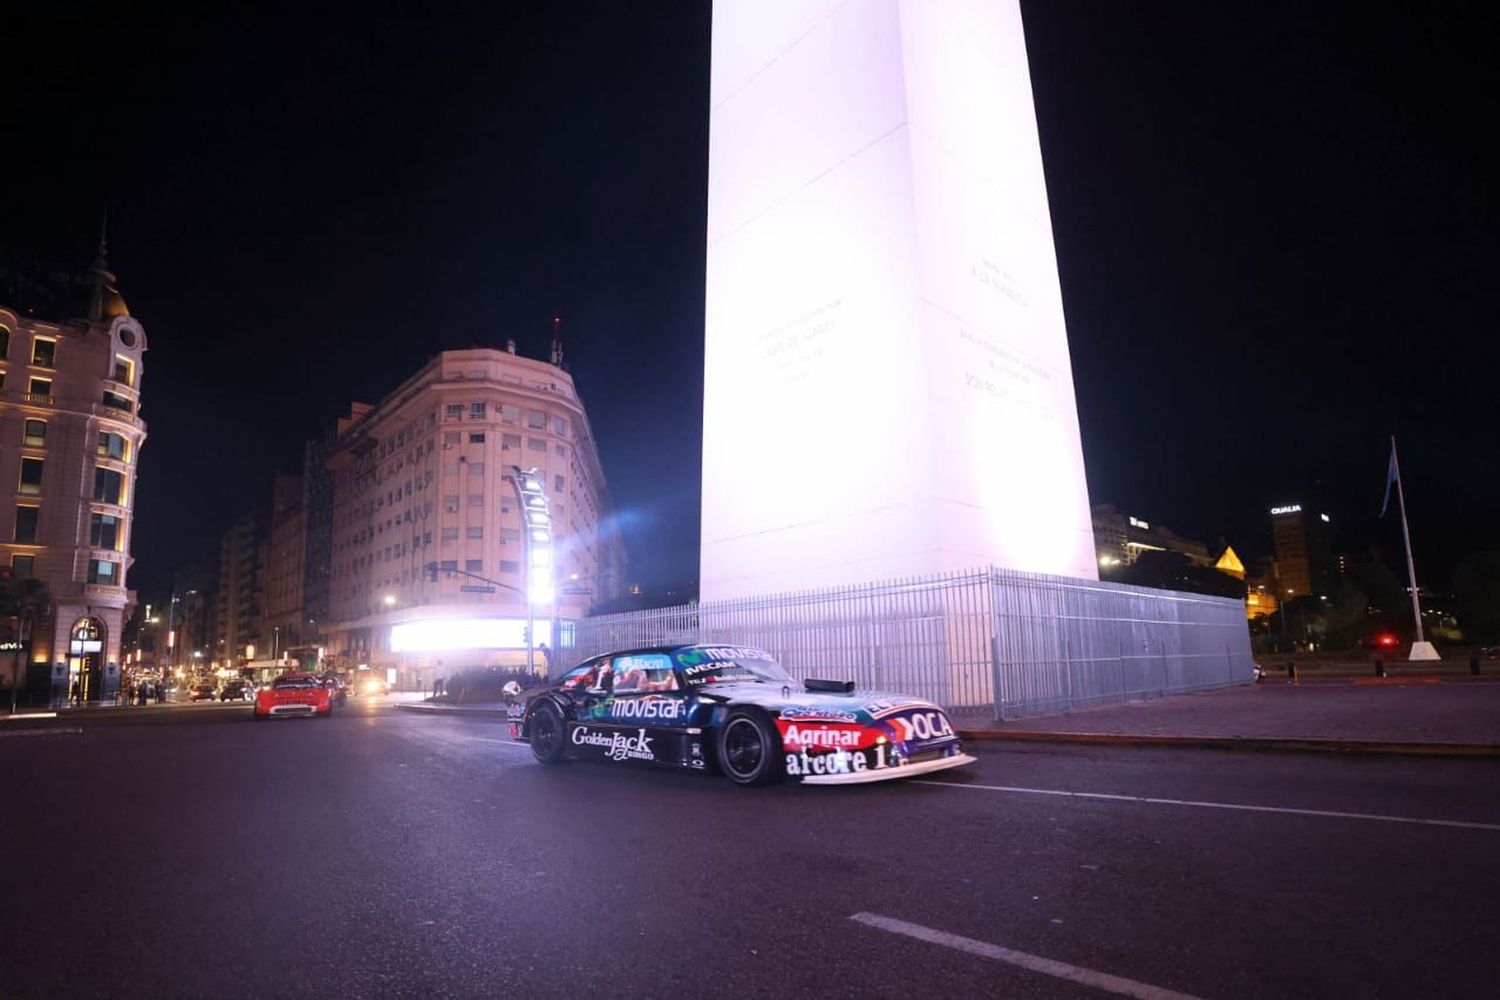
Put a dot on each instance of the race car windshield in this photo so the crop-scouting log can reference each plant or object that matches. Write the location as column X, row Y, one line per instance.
column 295, row 682
column 722, row 665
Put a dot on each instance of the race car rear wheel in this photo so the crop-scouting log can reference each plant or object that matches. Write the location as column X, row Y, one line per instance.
column 547, row 733
column 749, row 749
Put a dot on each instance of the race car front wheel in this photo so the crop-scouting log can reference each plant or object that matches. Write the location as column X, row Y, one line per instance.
column 750, row 749
column 547, row 732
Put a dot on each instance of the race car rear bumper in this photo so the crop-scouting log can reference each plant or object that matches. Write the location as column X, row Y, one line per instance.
column 890, row 773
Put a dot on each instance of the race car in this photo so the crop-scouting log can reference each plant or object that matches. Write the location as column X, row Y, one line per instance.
column 734, row 709
column 294, row 694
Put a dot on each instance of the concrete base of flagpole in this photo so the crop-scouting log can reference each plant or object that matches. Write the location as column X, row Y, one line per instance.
column 1423, row 651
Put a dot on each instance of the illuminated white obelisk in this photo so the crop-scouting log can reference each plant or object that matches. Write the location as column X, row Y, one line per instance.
column 887, row 387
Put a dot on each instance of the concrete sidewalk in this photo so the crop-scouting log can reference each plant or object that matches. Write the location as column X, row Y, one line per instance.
column 1406, row 717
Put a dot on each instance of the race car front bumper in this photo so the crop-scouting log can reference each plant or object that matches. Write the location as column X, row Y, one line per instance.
column 890, row 773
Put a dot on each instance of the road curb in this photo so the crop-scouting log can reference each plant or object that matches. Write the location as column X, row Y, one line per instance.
column 1473, row 751
column 487, row 713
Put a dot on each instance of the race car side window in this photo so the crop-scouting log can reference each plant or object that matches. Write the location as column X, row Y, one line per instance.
column 580, row 678
column 643, row 673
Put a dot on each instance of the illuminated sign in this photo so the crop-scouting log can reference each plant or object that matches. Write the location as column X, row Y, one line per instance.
column 11, row 647
column 1136, row 522
column 439, row 634
column 1295, row 508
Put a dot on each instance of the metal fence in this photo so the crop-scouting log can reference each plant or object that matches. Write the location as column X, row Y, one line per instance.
column 988, row 642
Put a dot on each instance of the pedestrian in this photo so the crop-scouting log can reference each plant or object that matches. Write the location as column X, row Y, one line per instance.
column 437, row 686
column 75, row 694
column 161, row 692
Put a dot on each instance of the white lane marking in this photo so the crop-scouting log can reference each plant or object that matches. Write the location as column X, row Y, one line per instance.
column 28, row 715
column 57, row 731
column 1238, row 806
column 1032, row 963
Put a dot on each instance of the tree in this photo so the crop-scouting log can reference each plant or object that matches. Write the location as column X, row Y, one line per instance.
column 23, row 601
column 1175, row 571
column 1476, row 585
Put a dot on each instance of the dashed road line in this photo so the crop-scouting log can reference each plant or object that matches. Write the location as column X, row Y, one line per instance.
column 50, row 731
column 1236, row 806
column 1021, row 959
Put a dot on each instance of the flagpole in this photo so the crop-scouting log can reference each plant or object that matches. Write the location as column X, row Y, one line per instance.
column 1411, row 568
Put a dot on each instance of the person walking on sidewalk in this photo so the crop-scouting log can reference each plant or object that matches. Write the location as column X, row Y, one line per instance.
column 75, row 694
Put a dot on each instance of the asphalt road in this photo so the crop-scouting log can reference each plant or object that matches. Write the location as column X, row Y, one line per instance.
column 187, row 851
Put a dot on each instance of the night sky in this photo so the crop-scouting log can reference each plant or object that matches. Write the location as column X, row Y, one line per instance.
column 1276, row 228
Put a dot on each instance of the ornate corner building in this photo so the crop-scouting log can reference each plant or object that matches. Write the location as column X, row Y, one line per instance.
column 70, row 437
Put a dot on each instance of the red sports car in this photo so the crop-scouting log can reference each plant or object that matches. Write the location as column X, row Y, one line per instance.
column 294, row 694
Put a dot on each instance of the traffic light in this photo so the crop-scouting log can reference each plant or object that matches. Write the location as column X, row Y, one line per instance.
column 432, row 571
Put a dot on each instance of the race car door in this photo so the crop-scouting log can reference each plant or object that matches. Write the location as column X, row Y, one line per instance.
column 648, row 702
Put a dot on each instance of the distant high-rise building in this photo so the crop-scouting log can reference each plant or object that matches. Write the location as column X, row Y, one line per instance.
column 286, row 554
column 1121, row 538
column 426, row 479
column 1303, row 540
column 241, row 555
column 70, row 439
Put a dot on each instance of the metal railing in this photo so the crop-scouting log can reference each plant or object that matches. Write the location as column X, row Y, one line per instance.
column 988, row 642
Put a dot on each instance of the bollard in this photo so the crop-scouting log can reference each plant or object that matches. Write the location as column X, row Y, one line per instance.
column 1474, row 664
column 1379, row 667
column 1291, row 671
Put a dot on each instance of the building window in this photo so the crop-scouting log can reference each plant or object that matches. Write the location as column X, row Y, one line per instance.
column 561, row 450
column 509, row 441
column 509, row 535
column 476, row 468
column 40, row 387
column 474, row 531
column 536, row 444
column 124, row 370
column 4, row 342
column 44, row 353
column 26, row 524
column 476, row 411
column 509, row 566
column 557, row 483
column 426, row 538
column 103, row 571
column 536, row 420
column 474, row 565
column 35, row 434
column 109, row 485
column 22, row 567
column 560, row 426
column 450, row 503
column 450, row 438
column 510, row 414
column 476, row 499
column 118, row 402
column 453, row 411
column 449, row 565
column 104, row 531
column 31, row 476
column 450, row 468
column 450, row 533
column 476, row 438
column 111, row 446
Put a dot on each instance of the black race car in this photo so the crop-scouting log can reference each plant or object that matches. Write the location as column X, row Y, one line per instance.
column 735, row 709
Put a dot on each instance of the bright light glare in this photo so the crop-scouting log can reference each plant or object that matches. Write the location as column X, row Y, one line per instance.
column 541, row 558
column 389, row 599
column 439, row 634
column 542, row 592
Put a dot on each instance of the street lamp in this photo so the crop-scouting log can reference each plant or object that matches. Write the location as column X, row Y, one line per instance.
column 389, row 600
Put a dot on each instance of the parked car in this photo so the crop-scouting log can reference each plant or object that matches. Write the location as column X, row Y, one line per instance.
column 237, row 689
column 294, row 694
column 336, row 688
column 202, row 692
column 733, row 709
